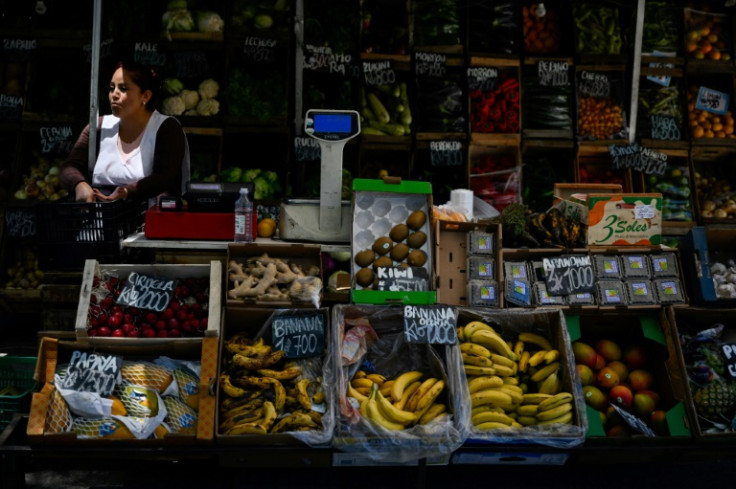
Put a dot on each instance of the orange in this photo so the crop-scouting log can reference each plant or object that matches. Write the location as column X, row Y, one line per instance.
column 266, row 227
column 698, row 132
column 715, row 55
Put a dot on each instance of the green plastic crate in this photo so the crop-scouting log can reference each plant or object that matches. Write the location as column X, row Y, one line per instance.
column 15, row 372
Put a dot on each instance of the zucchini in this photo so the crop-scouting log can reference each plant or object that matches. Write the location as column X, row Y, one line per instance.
column 372, row 131
column 391, row 129
column 378, row 109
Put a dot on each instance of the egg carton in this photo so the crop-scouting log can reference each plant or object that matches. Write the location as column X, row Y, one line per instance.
column 483, row 293
column 664, row 265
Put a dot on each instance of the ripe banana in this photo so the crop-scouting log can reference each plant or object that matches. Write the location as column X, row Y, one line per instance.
column 428, row 398
column 374, row 414
column 502, row 360
column 229, row 389
column 390, row 412
column 249, row 417
column 516, row 395
column 432, row 413
column 256, row 349
column 386, row 388
column 246, row 429
column 486, row 408
column 475, row 349
column 493, row 342
column 408, row 392
column 301, row 394
column 527, row 410
column 551, row 385
column 564, row 419
column 490, row 425
column 376, row 378
column 484, row 382
column 490, row 396
column 264, row 383
column 411, row 404
column 535, row 339
column 535, row 398
column 402, row 381
column 526, row 420
column 537, row 358
column 461, row 333
column 269, row 415
column 233, row 403
column 474, row 326
column 366, row 391
column 551, row 356
column 286, row 374
column 524, row 361
column 502, row 370
column 489, row 416
column 355, row 394
column 555, row 412
column 362, row 382
column 255, row 363
column 475, row 370
column 511, row 380
column 519, row 347
column 477, row 360
column 554, row 401
column 293, row 422
column 545, row 371
column 359, row 374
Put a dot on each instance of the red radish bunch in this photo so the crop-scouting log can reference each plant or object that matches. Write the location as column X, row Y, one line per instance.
column 186, row 314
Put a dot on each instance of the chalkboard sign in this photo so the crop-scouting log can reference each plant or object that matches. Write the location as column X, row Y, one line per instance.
column 729, row 356
column 553, row 73
column 191, row 64
column 19, row 49
column 322, row 59
column 652, row 162
column 11, row 107
column 106, row 50
column 299, row 335
column 568, row 274
column 430, row 64
column 307, row 149
column 57, row 140
column 712, row 101
column 92, row 372
column 20, row 222
column 149, row 53
column 377, row 73
column 146, row 292
column 594, row 84
column 445, row 153
column 665, row 128
column 259, row 50
column 435, row 325
column 624, row 156
column 482, row 78
column 407, row 279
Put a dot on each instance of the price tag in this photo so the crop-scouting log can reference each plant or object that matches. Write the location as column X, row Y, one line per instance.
column 106, row 49
column 624, row 156
column 645, row 211
column 665, row 128
column 445, row 153
column 92, row 372
column 19, row 49
column 57, row 140
column 430, row 64
column 191, row 64
column 729, row 356
column 149, row 53
column 568, row 274
column 395, row 279
column 594, row 84
column 553, row 73
column 435, row 325
column 299, row 335
column 307, row 149
column 259, row 49
column 20, row 222
column 482, row 78
column 377, row 73
column 146, row 292
column 322, row 59
column 11, row 107
column 652, row 162
column 661, row 80
column 712, row 101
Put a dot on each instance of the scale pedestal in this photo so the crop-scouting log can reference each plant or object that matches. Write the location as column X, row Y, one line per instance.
column 299, row 221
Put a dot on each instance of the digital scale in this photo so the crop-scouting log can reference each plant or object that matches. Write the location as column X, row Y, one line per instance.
column 329, row 219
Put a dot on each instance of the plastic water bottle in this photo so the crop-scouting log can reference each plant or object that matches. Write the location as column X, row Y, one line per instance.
column 243, row 217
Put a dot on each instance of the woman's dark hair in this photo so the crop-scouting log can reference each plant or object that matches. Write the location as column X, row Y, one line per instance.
column 146, row 77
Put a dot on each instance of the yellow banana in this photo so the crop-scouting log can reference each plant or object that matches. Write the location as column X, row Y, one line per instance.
column 476, row 360
column 490, row 425
column 366, row 391
column 555, row 412
column 241, row 409
column 490, row 396
column 554, row 401
column 545, row 371
column 486, row 408
column 293, row 422
column 493, row 342
column 229, row 389
column 428, row 398
column 516, row 395
column 408, row 392
column 461, row 333
column 250, row 417
column 536, row 339
column 411, row 404
column 433, row 412
column 255, row 363
column 386, row 388
column 362, row 382
column 564, row 419
column 376, row 378
column 511, row 381
column 390, row 412
column 374, row 413
column 502, row 360
column 229, row 403
column 246, row 429
column 301, row 394
column 359, row 374
column 475, row 349
column 519, row 348
column 489, row 416
column 257, row 348
column 527, row 410
column 402, row 381
column 535, row 398
column 551, row 356
column 484, row 382
column 264, row 383
column 479, row 371
column 286, row 374
column 524, row 361
column 269, row 416
column 527, row 420
column 474, row 326
column 537, row 358
column 502, row 370
column 551, row 385
column 357, row 395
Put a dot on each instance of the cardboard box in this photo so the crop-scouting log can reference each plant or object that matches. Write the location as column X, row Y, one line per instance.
column 571, row 198
column 702, row 248
column 378, row 208
column 53, row 352
column 650, row 330
column 624, row 219
column 93, row 269
column 306, row 256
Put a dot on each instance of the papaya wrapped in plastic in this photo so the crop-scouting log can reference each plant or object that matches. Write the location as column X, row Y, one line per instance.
column 109, row 428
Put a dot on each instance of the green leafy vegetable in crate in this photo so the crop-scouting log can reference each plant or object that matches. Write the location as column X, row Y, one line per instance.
column 598, row 28
column 660, row 27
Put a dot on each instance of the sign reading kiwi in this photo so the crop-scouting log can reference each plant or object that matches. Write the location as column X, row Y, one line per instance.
column 300, row 335
column 430, row 324
column 402, row 279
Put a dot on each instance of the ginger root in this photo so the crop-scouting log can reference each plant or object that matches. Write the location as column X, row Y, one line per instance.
column 272, row 279
column 254, row 287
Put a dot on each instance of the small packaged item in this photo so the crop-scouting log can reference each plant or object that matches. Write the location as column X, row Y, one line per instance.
column 542, row 297
column 641, row 292
column 518, row 291
column 483, row 293
column 481, row 267
column 664, row 265
column 581, row 299
column 611, row 293
column 669, row 291
column 536, row 268
column 636, row 266
column 607, row 267
column 480, row 243
column 516, row 270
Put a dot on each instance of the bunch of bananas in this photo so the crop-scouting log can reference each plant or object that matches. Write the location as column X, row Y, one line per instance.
column 402, row 402
column 264, row 393
column 509, row 382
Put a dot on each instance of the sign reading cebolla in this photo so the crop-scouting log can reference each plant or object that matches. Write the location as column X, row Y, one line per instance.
column 299, row 335
column 145, row 292
column 430, row 324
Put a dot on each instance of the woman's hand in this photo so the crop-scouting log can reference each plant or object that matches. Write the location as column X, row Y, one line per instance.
column 83, row 192
column 120, row 193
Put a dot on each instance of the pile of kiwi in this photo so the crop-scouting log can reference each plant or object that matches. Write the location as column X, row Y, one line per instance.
column 401, row 248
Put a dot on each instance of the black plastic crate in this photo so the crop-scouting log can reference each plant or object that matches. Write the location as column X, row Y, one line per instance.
column 71, row 232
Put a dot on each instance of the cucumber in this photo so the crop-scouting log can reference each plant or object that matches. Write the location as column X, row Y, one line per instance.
column 390, row 129
column 378, row 109
column 372, row 131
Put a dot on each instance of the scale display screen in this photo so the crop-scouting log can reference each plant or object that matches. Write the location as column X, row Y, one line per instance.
column 332, row 125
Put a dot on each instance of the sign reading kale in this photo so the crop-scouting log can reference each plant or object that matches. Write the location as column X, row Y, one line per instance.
column 146, row 292
column 191, row 64
column 729, row 357
column 409, row 279
column 149, row 53
column 20, row 222
column 713, row 101
column 57, row 140
column 445, row 153
column 665, row 128
column 553, row 73
column 430, row 324
column 299, row 335
column 377, row 73
column 92, row 372
column 19, row 49
column 568, row 274
column 482, row 78
column 430, row 64
column 11, row 107
column 322, row 59
column 259, row 50
column 594, row 84
column 307, row 149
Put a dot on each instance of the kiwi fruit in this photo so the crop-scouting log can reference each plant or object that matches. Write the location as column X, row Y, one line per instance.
column 416, row 220
column 416, row 239
column 382, row 245
column 399, row 232
column 364, row 277
column 382, row 261
column 364, row 258
column 399, row 252
column 417, row 258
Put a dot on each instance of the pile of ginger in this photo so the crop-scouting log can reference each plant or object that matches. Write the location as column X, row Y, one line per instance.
column 273, row 279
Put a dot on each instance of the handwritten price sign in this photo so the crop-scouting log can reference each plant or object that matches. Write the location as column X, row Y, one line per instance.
column 569, row 274
column 299, row 335
column 430, row 324
column 712, row 101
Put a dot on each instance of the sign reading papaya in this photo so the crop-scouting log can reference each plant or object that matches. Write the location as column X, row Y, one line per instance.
column 299, row 335
column 593, row 84
column 435, row 325
column 146, row 292
column 92, row 372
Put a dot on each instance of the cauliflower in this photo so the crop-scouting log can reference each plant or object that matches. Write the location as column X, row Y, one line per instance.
column 173, row 105
column 208, row 106
column 209, row 22
column 190, row 98
column 208, row 88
